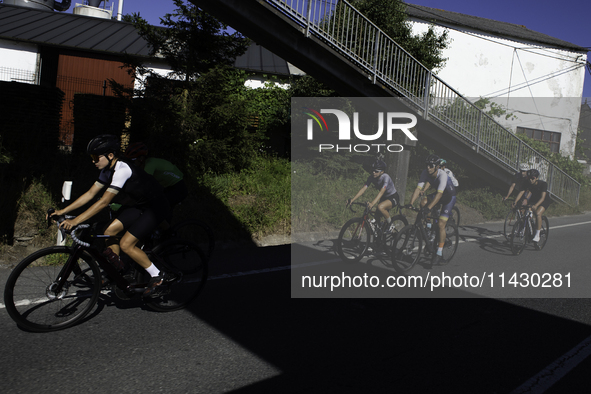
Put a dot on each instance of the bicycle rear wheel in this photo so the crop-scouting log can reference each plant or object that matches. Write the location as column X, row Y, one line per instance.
column 452, row 240
column 545, row 230
column 188, row 263
column 407, row 249
column 197, row 232
column 353, row 240
column 30, row 294
column 510, row 219
column 519, row 236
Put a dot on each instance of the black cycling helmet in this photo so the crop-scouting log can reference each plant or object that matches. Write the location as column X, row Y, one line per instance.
column 103, row 145
column 432, row 159
column 379, row 165
column 533, row 173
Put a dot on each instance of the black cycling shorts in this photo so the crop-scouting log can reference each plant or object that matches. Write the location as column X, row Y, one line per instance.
column 394, row 198
column 142, row 221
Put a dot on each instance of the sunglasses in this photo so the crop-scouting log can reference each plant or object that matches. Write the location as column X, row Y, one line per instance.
column 376, row 171
column 95, row 158
column 430, row 165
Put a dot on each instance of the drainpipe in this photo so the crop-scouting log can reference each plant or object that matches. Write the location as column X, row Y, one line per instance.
column 119, row 10
column 62, row 6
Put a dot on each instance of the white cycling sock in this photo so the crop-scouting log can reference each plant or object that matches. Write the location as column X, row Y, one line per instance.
column 153, row 270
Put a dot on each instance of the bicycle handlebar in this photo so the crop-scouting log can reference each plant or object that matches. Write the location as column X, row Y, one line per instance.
column 59, row 219
column 350, row 206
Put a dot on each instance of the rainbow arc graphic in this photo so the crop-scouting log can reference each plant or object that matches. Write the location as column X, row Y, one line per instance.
column 317, row 117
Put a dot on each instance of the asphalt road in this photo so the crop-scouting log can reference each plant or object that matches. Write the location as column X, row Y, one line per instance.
column 246, row 333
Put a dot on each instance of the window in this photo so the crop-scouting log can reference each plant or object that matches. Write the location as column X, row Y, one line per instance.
column 550, row 138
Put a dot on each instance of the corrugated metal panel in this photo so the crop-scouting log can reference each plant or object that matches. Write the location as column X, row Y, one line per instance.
column 77, row 74
column 70, row 31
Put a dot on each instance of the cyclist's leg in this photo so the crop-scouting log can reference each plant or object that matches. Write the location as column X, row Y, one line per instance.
column 446, row 210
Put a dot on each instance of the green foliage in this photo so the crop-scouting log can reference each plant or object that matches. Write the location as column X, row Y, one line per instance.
column 33, row 204
column 259, row 197
column 570, row 166
column 390, row 16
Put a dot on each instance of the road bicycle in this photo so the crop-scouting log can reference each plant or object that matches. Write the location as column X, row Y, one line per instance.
column 408, row 245
column 524, row 229
column 56, row 287
column 366, row 235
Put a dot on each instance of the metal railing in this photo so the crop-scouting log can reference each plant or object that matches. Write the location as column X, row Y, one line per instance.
column 345, row 29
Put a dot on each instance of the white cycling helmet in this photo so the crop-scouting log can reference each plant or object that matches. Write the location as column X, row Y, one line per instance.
column 523, row 167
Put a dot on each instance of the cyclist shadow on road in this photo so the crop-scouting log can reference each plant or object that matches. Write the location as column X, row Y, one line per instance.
column 488, row 240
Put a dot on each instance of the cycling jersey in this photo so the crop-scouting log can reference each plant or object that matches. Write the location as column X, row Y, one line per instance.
column 451, row 176
column 536, row 193
column 382, row 182
column 440, row 181
column 521, row 182
column 166, row 173
column 137, row 188
column 144, row 204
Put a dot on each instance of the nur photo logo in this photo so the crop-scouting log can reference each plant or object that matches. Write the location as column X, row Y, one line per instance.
column 387, row 123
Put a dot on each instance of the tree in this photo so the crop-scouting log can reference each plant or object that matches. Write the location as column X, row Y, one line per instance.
column 192, row 41
column 198, row 115
column 390, row 16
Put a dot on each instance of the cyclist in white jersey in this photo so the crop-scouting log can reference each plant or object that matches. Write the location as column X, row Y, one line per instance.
column 446, row 196
column 144, row 205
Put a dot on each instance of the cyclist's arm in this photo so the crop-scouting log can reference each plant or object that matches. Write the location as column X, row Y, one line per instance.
column 359, row 193
column 80, row 201
column 435, row 199
column 419, row 191
column 518, row 198
column 90, row 212
column 510, row 191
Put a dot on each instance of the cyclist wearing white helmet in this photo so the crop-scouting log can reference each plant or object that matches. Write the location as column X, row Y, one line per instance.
column 387, row 197
column 519, row 184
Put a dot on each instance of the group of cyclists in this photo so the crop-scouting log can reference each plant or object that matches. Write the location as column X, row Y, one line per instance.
column 146, row 188
column 526, row 182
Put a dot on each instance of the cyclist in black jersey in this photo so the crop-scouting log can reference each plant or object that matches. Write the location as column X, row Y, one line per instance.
column 520, row 182
column 539, row 197
column 387, row 197
column 144, row 205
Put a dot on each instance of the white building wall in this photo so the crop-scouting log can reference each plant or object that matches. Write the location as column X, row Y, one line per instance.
column 523, row 77
column 18, row 61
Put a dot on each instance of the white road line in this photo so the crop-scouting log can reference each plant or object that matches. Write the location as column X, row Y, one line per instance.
column 555, row 371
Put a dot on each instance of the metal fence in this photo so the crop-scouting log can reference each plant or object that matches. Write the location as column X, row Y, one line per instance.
column 345, row 29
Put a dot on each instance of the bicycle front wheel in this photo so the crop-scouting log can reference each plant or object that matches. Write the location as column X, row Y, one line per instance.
column 407, row 249
column 452, row 240
column 510, row 219
column 519, row 236
column 31, row 296
column 197, row 232
column 189, row 265
column 545, row 230
column 353, row 240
